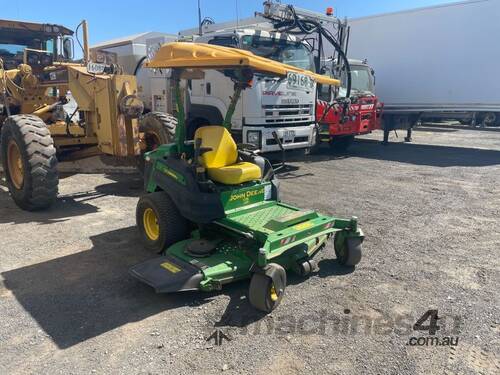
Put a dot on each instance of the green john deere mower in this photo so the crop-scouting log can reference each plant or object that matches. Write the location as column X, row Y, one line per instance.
column 213, row 211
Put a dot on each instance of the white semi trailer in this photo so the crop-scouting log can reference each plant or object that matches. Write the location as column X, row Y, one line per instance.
column 435, row 62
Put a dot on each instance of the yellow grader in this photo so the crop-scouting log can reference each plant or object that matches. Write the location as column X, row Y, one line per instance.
column 53, row 108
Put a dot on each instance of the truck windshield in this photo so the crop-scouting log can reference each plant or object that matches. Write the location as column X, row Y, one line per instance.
column 11, row 49
column 284, row 51
column 361, row 78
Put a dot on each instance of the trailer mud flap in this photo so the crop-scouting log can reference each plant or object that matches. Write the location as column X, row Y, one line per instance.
column 167, row 274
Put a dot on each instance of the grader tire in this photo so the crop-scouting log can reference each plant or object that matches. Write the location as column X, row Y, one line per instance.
column 158, row 129
column 29, row 162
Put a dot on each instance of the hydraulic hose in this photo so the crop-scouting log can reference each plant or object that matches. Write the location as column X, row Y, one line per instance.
column 308, row 27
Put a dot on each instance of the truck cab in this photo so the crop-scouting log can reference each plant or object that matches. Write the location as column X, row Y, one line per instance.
column 364, row 111
column 271, row 104
column 27, row 50
column 18, row 39
column 362, row 79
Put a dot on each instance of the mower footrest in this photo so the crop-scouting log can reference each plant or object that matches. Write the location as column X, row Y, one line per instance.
column 168, row 274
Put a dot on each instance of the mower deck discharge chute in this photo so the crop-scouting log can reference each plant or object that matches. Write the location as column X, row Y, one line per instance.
column 213, row 209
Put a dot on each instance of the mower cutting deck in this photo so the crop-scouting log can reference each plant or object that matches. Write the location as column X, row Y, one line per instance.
column 213, row 208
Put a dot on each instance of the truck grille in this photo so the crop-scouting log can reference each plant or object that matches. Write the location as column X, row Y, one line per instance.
column 287, row 113
column 272, row 142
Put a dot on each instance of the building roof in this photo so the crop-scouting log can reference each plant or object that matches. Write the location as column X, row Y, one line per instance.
column 135, row 38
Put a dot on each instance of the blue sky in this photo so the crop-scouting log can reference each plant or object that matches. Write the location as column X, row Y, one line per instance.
column 112, row 19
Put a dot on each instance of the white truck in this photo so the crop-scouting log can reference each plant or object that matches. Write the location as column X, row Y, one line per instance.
column 434, row 62
column 271, row 104
column 281, row 107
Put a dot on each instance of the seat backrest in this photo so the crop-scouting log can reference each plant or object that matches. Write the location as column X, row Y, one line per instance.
column 224, row 151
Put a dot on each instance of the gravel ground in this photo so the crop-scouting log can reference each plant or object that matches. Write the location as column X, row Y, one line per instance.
column 430, row 214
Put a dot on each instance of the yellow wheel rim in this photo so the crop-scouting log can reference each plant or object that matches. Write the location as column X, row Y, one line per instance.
column 273, row 294
column 15, row 164
column 151, row 226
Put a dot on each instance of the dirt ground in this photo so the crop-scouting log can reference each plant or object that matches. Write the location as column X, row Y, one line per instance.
column 430, row 213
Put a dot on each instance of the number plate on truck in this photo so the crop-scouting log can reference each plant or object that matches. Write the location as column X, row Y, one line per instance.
column 288, row 135
column 297, row 81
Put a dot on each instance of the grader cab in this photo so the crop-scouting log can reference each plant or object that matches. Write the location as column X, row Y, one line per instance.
column 54, row 108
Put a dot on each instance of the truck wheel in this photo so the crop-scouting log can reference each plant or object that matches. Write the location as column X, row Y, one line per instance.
column 347, row 249
column 267, row 289
column 316, row 138
column 159, row 221
column 341, row 143
column 489, row 119
column 194, row 125
column 158, row 129
column 29, row 161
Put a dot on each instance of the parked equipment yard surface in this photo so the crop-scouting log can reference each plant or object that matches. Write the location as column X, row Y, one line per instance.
column 430, row 214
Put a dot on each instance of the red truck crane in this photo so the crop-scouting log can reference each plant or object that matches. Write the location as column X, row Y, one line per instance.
column 340, row 114
column 339, row 121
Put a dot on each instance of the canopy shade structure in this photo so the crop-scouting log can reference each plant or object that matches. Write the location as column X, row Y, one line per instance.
column 207, row 56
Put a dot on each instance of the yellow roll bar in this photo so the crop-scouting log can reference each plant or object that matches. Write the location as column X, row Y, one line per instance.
column 207, row 56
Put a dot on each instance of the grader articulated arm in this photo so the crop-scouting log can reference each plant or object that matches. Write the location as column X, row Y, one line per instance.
column 111, row 109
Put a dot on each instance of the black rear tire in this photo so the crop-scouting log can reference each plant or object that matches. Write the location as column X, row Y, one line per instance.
column 266, row 292
column 158, row 129
column 37, row 187
column 172, row 226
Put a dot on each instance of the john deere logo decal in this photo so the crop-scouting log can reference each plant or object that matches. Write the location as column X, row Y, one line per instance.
column 171, row 173
column 246, row 195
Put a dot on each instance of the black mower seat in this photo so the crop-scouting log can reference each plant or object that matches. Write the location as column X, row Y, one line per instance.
column 222, row 161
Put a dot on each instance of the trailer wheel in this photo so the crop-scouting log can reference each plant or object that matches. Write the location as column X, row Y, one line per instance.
column 158, row 129
column 342, row 143
column 159, row 221
column 489, row 119
column 347, row 249
column 29, row 161
column 267, row 289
